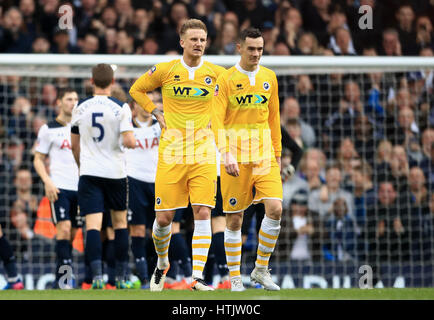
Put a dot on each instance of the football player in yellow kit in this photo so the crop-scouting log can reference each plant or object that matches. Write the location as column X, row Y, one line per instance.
column 246, row 124
column 186, row 168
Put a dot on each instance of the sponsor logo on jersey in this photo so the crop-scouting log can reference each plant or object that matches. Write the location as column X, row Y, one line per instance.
column 190, row 91
column 233, row 201
column 216, row 90
column 65, row 144
column 177, row 77
column 152, row 70
column 158, row 200
column 208, row 80
column 251, row 98
column 266, row 85
column 239, row 86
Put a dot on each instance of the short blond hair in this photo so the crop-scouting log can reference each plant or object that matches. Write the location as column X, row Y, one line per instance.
column 192, row 24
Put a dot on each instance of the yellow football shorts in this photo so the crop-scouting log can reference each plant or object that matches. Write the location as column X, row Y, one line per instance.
column 177, row 184
column 237, row 192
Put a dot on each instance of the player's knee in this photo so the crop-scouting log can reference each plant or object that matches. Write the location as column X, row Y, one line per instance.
column 137, row 230
column 234, row 221
column 163, row 220
column 63, row 232
column 202, row 213
column 275, row 211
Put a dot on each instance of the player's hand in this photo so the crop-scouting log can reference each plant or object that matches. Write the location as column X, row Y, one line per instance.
column 160, row 118
column 231, row 165
column 51, row 191
column 287, row 172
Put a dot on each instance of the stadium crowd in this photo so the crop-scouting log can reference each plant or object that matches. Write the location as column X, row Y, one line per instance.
column 364, row 188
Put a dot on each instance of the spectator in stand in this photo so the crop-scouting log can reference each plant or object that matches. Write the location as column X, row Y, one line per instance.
column 84, row 15
column 307, row 44
column 340, row 238
column 25, row 205
column 424, row 32
column 347, row 158
column 302, row 227
column 270, row 33
column 364, row 198
column 399, row 169
column 18, row 121
column 366, row 137
column 321, row 200
column 90, row 44
column 141, row 23
column 281, row 49
column 124, row 42
column 226, row 42
column 291, row 110
column 41, row 45
column 252, row 13
column 341, row 122
column 427, row 161
column 125, row 13
column 308, row 178
column 316, row 17
column 27, row 9
column 168, row 36
column 47, row 105
column 13, row 36
column 407, row 34
column 208, row 11
column 385, row 233
column 110, row 41
column 390, row 45
column 292, row 28
column 62, row 44
column 14, row 155
column 150, row 46
column 343, row 43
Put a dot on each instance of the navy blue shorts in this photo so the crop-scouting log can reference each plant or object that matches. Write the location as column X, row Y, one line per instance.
column 95, row 194
column 141, row 198
column 66, row 208
column 218, row 209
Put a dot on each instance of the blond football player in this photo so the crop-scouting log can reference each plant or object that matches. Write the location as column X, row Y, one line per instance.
column 186, row 168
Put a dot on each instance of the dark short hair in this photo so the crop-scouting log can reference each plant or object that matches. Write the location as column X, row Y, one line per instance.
column 64, row 90
column 249, row 33
column 102, row 75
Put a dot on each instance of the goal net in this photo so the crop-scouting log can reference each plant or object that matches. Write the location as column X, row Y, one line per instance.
column 359, row 210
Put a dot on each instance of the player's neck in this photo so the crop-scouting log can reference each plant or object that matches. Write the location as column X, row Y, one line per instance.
column 192, row 61
column 143, row 119
column 102, row 92
column 248, row 68
column 63, row 119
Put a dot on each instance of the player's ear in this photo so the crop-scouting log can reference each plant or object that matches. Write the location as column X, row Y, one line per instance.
column 181, row 42
column 239, row 47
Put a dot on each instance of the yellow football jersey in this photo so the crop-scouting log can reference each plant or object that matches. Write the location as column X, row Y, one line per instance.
column 246, row 119
column 187, row 93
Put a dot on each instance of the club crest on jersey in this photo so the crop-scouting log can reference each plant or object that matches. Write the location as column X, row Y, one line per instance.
column 233, row 201
column 158, row 200
column 208, row 80
column 152, row 70
column 266, row 85
column 216, row 90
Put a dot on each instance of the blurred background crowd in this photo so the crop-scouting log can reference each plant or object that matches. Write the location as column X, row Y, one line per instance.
column 364, row 187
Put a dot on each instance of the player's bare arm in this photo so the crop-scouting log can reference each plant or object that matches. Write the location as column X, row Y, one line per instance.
column 128, row 139
column 51, row 190
column 75, row 146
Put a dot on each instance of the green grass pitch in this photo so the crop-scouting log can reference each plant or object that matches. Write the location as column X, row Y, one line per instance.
column 250, row 294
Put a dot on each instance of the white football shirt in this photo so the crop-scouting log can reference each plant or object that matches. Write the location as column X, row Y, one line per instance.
column 100, row 120
column 54, row 140
column 142, row 161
